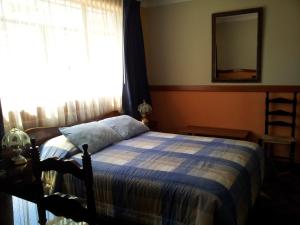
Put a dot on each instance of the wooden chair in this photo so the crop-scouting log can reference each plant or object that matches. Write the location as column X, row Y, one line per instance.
column 60, row 204
column 288, row 119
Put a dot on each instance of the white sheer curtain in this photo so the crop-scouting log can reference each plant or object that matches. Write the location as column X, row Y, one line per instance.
column 25, row 213
column 61, row 60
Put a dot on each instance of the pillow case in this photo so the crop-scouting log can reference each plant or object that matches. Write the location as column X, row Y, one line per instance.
column 94, row 134
column 125, row 126
column 59, row 147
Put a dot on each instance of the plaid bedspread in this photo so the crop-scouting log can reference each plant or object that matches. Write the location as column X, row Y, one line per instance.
column 169, row 179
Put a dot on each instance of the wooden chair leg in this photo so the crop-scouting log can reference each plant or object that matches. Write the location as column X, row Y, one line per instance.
column 267, row 158
column 270, row 167
column 42, row 215
column 6, row 210
column 292, row 155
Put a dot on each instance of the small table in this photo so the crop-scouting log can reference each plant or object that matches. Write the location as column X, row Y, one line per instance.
column 217, row 132
column 19, row 181
column 15, row 181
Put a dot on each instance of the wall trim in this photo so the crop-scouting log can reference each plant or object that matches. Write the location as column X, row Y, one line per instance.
column 227, row 88
column 155, row 3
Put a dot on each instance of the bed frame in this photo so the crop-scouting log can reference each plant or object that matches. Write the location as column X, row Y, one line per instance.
column 42, row 134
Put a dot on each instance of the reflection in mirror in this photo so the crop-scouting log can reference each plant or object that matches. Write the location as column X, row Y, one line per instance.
column 237, row 46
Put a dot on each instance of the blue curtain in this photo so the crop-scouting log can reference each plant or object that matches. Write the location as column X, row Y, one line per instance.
column 1, row 124
column 135, row 87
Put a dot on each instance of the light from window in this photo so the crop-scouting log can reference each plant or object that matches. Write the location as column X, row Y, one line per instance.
column 57, row 51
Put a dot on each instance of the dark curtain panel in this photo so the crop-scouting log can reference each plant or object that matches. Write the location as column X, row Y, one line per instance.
column 1, row 124
column 135, row 87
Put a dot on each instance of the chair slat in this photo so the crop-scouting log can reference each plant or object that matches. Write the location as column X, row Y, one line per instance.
column 281, row 100
column 280, row 113
column 280, row 123
column 62, row 166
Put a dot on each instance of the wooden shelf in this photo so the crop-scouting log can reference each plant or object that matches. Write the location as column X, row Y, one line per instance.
column 217, row 132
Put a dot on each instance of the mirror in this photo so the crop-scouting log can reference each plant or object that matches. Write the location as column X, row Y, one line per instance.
column 236, row 46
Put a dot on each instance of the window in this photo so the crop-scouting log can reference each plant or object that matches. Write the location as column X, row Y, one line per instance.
column 61, row 60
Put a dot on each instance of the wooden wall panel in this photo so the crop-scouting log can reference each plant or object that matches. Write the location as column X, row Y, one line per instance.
column 225, row 109
column 227, row 88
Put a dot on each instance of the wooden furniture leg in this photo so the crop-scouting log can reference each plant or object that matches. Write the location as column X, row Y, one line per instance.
column 42, row 215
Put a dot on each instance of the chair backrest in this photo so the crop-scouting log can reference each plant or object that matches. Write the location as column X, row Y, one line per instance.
column 62, row 204
column 270, row 113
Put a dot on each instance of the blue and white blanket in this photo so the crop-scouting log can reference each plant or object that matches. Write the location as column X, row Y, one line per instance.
column 170, row 179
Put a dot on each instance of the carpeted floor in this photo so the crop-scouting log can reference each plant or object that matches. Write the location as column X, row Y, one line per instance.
column 279, row 201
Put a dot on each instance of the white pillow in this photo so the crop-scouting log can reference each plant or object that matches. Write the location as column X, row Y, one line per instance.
column 97, row 136
column 125, row 126
column 59, row 147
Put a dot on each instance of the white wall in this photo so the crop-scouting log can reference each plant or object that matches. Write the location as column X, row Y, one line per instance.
column 178, row 41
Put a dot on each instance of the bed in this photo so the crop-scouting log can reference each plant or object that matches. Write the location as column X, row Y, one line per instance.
column 154, row 178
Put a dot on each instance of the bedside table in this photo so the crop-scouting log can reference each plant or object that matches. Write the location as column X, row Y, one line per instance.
column 217, row 132
column 19, row 181
column 152, row 125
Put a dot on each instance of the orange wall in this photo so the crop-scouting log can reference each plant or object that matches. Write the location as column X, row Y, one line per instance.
column 238, row 110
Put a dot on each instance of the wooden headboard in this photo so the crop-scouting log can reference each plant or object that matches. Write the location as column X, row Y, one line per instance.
column 42, row 134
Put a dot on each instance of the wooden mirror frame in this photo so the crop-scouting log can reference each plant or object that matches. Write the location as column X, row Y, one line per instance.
column 259, row 12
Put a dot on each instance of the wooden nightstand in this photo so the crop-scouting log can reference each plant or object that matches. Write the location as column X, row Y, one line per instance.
column 19, row 181
column 15, row 181
column 217, row 132
column 152, row 125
